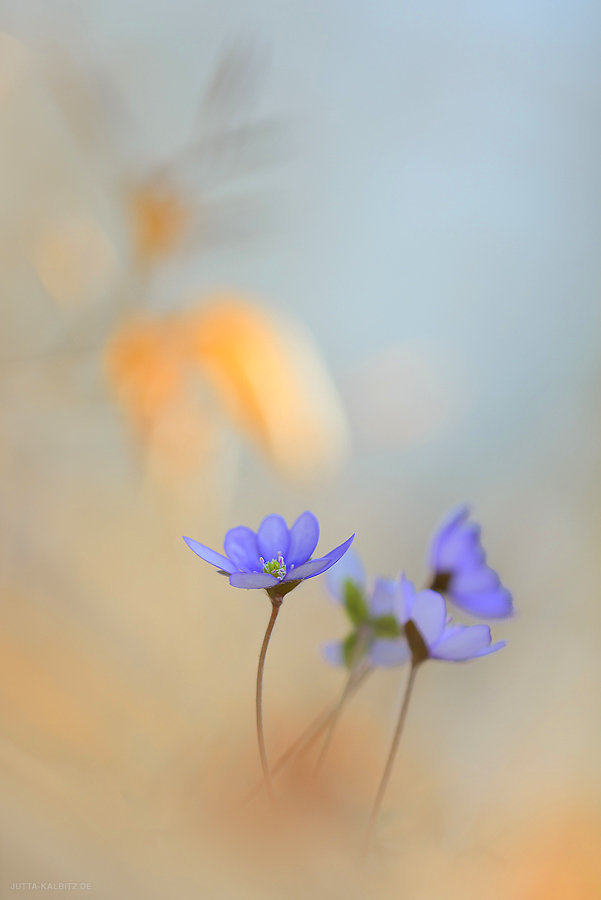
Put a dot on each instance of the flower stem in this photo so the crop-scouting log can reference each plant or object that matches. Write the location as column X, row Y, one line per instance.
column 354, row 676
column 276, row 602
column 305, row 741
column 390, row 761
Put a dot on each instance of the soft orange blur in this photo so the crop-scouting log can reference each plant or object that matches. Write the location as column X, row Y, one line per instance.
column 75, row 261
column 267, row 376
column 271, row 380
column 349, row 369
column 160, row 218
column 561, row 855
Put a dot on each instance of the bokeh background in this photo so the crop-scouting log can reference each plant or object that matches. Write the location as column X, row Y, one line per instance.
column 269, row 257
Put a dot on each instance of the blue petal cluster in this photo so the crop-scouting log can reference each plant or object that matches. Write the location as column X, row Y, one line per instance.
column 442, row 639
column 379, row 604
column 425, row 630
column 273, row 556
column 460, row 570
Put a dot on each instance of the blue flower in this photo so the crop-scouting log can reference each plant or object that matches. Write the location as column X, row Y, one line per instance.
column 428, row 634
column 275, row 557
column 458, row 563
column 376, row 635
column 431, row 634
column 394, row 623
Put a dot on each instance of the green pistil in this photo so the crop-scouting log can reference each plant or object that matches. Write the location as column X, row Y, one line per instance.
column 275, row 567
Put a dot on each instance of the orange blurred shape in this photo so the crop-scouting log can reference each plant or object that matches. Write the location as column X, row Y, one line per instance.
column 144, row 366
column 564, row 859
column 267, row 376
column 148, row 369
column 35, row 705
column 74, row 260
column 316, row 815
column 272, row 382
column 160, row 220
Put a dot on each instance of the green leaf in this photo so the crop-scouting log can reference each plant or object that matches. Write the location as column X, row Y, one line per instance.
column 354, row 602
column 387, row 627
column 351, row 650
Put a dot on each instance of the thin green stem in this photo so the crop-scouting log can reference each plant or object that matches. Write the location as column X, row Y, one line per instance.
column 390, row 761
column 275, row 608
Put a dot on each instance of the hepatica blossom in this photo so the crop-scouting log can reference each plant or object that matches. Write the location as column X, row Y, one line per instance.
column 375, row 635
column 428, row 633
column 380, row 618
column 393, row 623
column 431, row 634
column 276, row 558
column 460, row 570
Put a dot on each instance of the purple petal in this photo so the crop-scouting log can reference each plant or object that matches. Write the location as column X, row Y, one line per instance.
column 464, row 552
column 349, row 568
column 461, row 549
column 210, row 556
column 462, row 642
column 446, row 528
column 304, row 535
column 250, row 580
column 326, row 561
column 240, row 545
column 382, row 601
column 404, row 600
column 307, row 570
column 334, row 653
column 495, row 604
column 498, row 645
column 429, row 613
column 273, row 537
column 478, row 579
column 316, row 566
column 338, row 552
column 452, row 629
column 387, row 652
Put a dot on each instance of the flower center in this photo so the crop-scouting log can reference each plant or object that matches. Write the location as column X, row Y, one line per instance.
column 276, row 567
